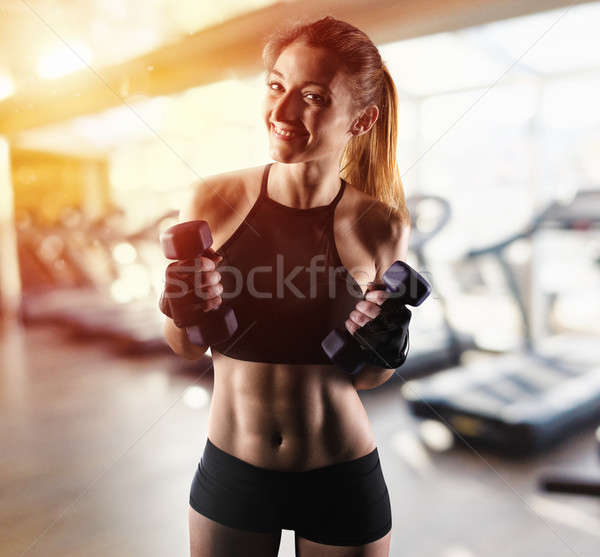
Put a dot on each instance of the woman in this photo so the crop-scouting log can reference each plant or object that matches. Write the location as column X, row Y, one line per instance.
column 289, row 442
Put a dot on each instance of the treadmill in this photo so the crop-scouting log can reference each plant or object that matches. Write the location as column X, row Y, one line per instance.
column 526, row 400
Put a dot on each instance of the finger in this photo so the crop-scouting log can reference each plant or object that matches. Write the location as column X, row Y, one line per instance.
column 368, row 308
column 359, row 318
column 213, row 255
column 351, row 326
column 213, row 303
column 207, row 278
column 377, row 296
column 375, row 286
column 209, row 292
column 205, row 264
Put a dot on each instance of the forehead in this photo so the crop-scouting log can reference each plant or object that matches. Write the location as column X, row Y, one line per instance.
column 300, row 62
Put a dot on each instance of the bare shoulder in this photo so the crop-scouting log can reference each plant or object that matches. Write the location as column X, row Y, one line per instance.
column 385, row 230
column 215, row 197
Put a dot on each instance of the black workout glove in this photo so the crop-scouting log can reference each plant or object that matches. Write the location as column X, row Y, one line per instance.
column 385, row 338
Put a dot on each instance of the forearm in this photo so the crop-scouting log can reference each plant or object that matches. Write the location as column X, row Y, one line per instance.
column 371, row 377
column 179, row 342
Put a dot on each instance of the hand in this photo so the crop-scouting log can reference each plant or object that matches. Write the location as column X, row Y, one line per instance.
column 192, row 285
column 367, row 309
column 382, row 328
column 208, row 285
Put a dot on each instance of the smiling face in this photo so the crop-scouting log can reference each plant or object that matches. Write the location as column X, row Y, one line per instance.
column 308, row 98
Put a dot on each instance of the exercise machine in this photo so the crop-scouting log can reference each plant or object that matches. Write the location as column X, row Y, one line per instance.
column 529, row 399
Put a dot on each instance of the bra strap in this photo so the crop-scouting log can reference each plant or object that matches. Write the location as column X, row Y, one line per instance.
column 337, row 198
column 265, row 176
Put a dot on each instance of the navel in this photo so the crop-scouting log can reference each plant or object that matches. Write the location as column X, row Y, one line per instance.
column 277, row 439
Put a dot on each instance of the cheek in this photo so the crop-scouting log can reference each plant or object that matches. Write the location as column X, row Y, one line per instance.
column 326, row 124
column 267, row 105
column 332, row 130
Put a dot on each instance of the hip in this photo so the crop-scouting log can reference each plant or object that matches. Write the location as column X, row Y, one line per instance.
column 342, row 504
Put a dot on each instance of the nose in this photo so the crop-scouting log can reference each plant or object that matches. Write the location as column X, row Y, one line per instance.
column 286, row 108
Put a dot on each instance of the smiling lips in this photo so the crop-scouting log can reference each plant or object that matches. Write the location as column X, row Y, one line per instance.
column 284, row 134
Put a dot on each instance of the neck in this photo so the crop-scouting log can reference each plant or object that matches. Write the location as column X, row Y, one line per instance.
column 305, row 184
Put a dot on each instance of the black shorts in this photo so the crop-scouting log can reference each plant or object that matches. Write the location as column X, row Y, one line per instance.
column 342, row 504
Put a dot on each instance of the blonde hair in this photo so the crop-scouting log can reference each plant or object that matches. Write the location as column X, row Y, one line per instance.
column 369, row 160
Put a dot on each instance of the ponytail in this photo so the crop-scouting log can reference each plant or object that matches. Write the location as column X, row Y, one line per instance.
column 369, row 161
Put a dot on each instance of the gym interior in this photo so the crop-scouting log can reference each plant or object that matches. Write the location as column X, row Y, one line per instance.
column 489, row 433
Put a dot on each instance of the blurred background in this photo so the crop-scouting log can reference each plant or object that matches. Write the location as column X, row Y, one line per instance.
column 111, row 111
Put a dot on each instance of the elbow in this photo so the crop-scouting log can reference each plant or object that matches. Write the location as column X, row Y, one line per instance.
column 371, row 377
column 179, row 343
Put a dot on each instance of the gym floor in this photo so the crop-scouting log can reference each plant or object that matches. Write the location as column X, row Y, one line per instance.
column 98, row 453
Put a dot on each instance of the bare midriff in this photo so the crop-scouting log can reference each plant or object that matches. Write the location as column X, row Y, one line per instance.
column 287, row 417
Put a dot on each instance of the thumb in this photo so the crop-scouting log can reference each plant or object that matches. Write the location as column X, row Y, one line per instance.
column 212, row 254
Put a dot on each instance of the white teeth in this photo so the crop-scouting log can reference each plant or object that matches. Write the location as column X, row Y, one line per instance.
column 285, row 133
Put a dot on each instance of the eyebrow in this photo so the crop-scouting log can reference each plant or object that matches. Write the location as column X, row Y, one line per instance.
column 276, row 72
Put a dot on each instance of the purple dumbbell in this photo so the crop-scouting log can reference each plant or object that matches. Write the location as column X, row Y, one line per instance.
column 407, row 287
column 185, row 242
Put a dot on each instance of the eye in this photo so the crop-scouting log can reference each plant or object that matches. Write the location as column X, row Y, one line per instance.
column 276, row 86
column 317, row 98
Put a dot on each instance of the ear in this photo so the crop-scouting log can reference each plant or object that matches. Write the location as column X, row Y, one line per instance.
column 365, row 121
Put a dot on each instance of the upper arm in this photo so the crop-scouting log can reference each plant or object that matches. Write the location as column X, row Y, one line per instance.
column 395, row 247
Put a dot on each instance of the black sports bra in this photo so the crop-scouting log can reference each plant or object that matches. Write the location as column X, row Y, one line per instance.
column 282, row 275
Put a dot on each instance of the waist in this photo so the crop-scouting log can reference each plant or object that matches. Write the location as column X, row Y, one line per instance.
column 219, row 459
column 287, row 417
